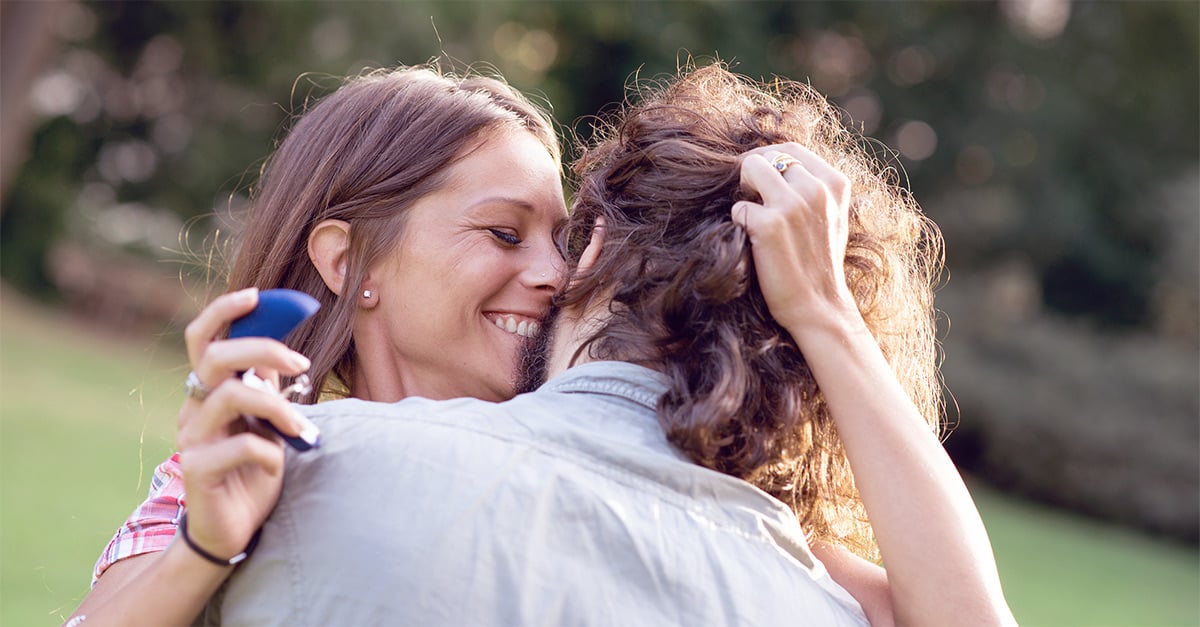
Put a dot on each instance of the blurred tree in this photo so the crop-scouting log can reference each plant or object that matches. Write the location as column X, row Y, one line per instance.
column 1057, row 121
column 27, row 44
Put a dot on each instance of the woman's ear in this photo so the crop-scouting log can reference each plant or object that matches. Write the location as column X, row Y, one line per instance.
column 328, row 246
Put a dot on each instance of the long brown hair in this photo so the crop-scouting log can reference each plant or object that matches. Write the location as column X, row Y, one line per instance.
column 365, row 154
column 741, row 400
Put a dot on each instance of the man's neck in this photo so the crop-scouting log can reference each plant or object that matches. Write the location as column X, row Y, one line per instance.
column 571, row 330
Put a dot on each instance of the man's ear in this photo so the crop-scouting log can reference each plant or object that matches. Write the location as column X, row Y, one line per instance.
column 595, row 245
column 328, row 244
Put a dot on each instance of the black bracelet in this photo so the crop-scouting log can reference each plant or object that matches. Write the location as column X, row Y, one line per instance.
column 213, row 558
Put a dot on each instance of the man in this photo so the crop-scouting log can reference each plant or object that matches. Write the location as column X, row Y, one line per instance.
column 626, row 489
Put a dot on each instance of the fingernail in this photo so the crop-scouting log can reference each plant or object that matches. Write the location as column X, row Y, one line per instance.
column 308, row 431
column 299, row 362
column 247, row 295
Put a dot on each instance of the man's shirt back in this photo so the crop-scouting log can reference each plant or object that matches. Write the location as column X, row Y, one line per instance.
column 563, row 507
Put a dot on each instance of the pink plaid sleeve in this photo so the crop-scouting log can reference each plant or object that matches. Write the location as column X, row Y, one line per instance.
column 151, row 526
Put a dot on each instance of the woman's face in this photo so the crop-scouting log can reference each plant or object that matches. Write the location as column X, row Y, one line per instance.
column 471, row 277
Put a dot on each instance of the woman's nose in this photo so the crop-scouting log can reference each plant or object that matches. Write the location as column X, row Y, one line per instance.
column 548, row 271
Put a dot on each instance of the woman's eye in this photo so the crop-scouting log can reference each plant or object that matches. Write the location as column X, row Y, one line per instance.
column 507, row 238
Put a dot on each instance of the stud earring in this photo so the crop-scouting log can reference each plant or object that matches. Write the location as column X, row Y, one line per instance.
column 366, row 293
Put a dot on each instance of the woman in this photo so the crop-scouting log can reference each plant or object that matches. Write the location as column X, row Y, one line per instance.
column 421, row 210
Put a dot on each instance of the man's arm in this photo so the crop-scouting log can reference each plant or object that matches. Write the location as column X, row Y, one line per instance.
column 866, row 582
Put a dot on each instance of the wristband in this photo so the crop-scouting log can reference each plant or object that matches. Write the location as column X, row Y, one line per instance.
column 213, row 558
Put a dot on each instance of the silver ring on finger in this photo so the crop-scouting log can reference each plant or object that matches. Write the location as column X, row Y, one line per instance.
column 194, row 388
column 782, row 162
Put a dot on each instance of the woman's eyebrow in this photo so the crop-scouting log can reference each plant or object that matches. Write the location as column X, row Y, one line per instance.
column 503, row 200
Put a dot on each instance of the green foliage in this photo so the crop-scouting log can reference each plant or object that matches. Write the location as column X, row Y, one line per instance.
column 35, row 216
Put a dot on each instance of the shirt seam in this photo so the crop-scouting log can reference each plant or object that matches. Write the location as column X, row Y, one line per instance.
column 582, row 459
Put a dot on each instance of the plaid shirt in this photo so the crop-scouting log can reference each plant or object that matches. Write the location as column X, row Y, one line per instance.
column 151, row 526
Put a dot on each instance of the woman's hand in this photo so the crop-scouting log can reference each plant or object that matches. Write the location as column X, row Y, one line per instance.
column 798, row 233
column 233, row 474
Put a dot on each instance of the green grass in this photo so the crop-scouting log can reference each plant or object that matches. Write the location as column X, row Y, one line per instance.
column 83, row 422
column 84, row 419
column 1060, row 569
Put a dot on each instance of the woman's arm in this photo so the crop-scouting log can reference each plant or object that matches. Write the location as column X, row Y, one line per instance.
column 164, row 588
column 232, row 477
column 939, row 561
column 940, row 567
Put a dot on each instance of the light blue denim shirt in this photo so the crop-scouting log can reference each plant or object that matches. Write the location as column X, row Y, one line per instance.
column 566, row 506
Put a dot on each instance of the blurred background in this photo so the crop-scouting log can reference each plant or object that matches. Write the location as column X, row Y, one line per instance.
column 1055, row 142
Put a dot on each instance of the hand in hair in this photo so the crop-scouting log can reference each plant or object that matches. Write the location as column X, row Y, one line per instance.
column 798, row 233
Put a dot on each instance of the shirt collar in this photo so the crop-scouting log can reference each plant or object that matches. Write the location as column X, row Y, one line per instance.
column 615, row 378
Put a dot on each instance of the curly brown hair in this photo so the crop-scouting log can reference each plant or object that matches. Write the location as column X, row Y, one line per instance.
column 664, row 173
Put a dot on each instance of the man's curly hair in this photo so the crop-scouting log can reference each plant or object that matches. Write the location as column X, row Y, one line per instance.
column 664, row 174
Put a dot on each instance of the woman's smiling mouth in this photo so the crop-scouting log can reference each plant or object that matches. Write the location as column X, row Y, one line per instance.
column 516, row 324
